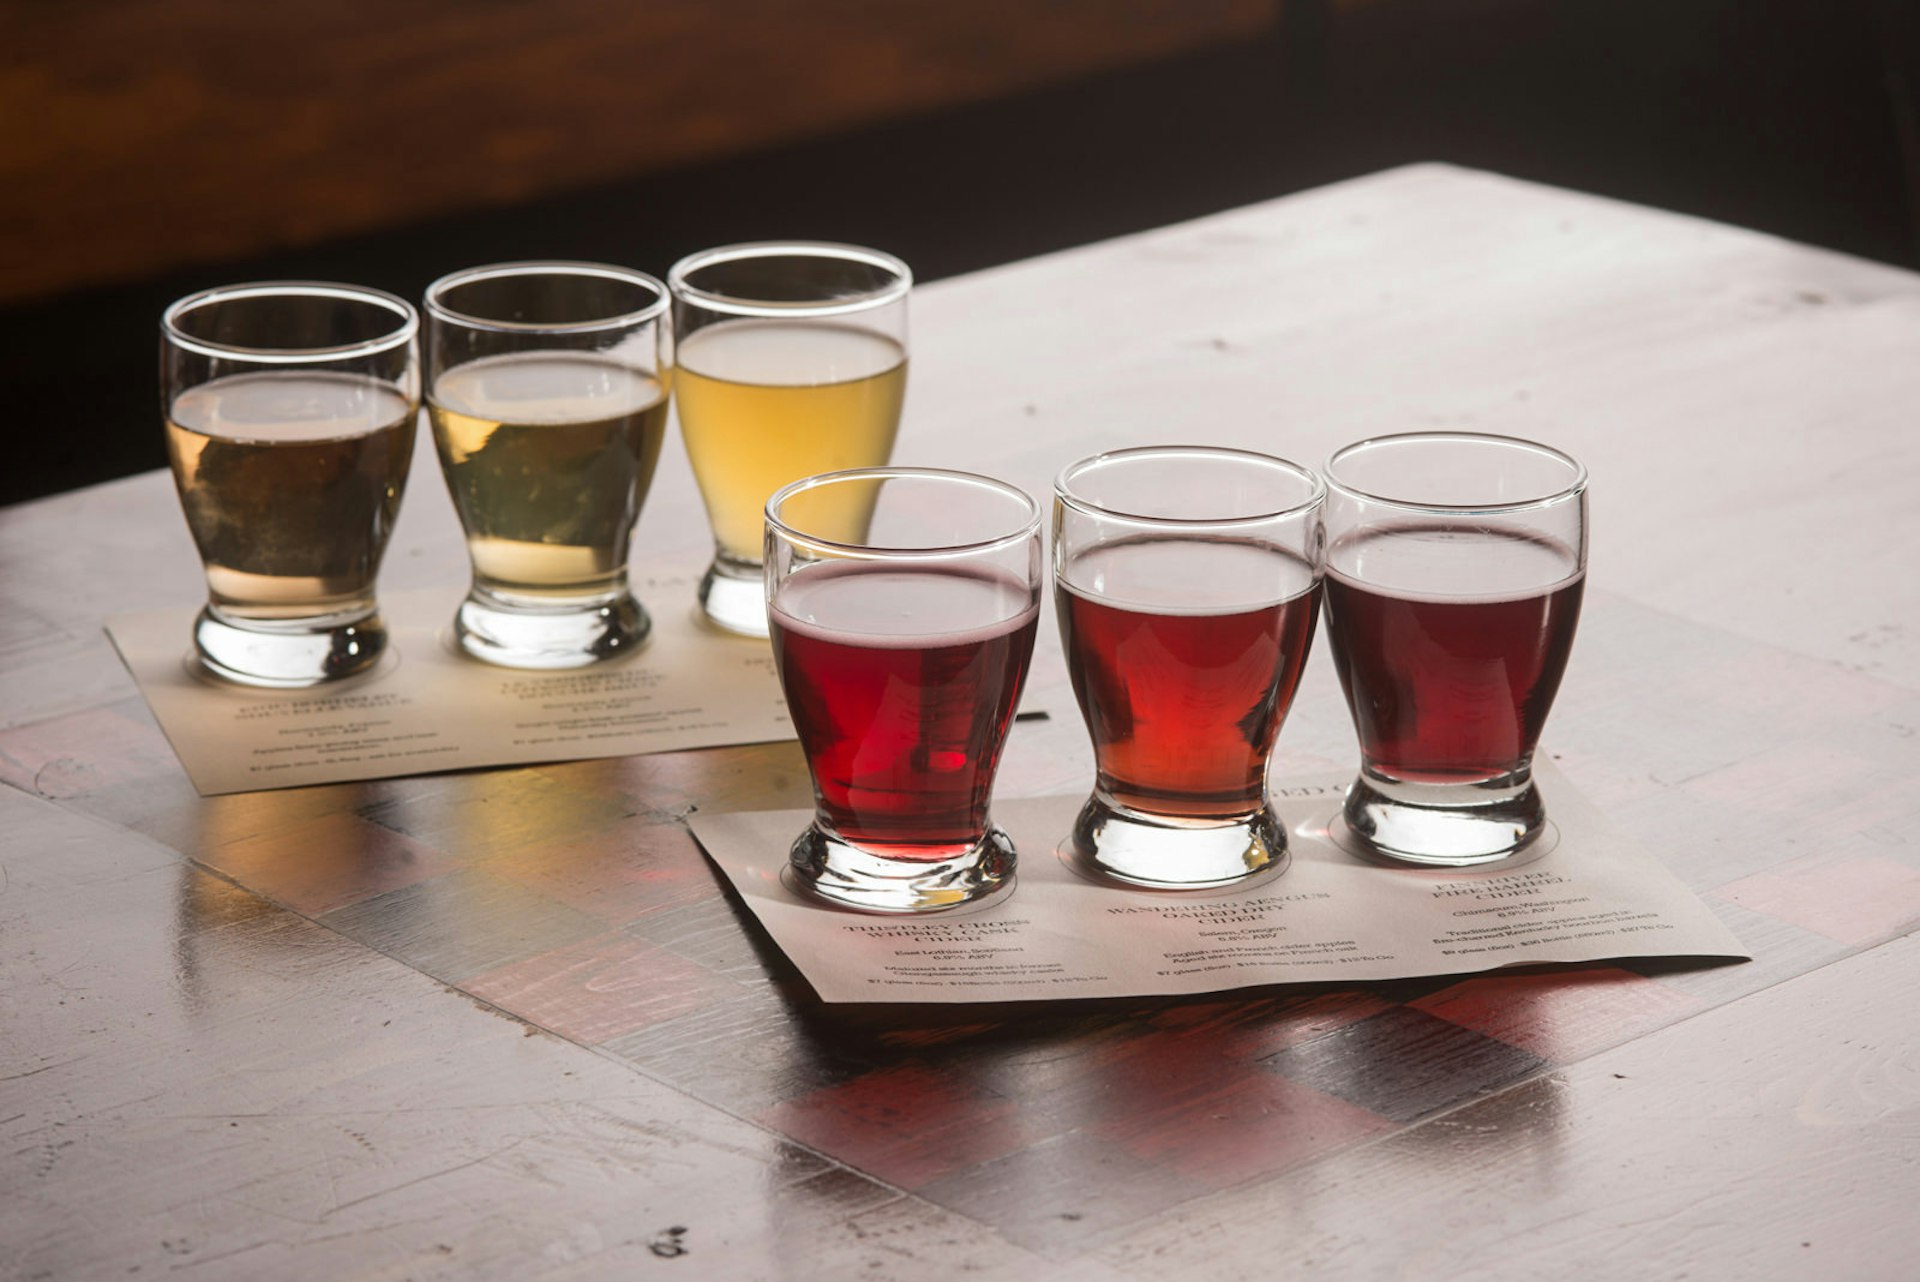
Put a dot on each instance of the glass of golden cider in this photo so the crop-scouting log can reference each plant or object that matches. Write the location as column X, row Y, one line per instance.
column 290, row 409
column 547, row 386
column 792, row 361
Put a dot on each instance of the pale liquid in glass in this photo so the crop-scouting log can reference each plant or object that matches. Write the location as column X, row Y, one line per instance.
column 548, row 457
column 290, row 483
column 763, row 403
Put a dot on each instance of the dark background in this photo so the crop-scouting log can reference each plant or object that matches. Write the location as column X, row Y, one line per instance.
column 145, row 166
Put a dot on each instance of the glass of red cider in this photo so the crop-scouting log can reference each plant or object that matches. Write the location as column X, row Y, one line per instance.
column 1187, row 581
column 902, row 606
column 1455, row 563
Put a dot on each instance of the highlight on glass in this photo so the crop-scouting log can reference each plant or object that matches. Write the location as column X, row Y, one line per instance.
column 1455, row 566
column 793, row 361
column 1187, row 581
column 902, row 605
column 547, row 385
column 290, row 412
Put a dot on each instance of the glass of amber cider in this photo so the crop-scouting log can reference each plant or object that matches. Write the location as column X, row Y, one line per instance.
column 290, row 412
column 792, row 362
column 1187, row 580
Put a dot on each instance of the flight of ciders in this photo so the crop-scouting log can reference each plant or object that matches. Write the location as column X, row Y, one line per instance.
column 901, row 603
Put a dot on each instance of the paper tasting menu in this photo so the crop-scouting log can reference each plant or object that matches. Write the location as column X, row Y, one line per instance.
column 1331, row 916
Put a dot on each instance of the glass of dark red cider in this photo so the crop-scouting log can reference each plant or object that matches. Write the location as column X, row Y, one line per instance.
column 902, row 605
column 1455, row 564
column 1187, row 580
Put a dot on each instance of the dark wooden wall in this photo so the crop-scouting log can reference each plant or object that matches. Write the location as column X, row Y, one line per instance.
column 148, row 135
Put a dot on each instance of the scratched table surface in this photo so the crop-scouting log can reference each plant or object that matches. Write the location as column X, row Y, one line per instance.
column 508, row 1024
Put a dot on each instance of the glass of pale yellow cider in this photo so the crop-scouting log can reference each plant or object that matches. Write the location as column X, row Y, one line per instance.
column 547, row 386
column 792, row 361
column 290, row 409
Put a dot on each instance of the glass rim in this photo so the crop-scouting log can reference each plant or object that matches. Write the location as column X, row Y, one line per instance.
column 1063, row 491
column 738, row 305
column 870, row 551
column 439, row 311
column 1573, row 489
column 404, row 331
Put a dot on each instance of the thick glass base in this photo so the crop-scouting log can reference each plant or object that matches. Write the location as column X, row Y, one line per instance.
column 288, row 653
column 1113, row 844
column 733, row 595
column 826, row 867
column 1457, row 825
column 545, row 635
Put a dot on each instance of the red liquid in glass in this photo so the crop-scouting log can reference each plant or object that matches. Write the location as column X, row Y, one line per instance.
column 1450, row 644
column 902, row 686
column 1185, row 655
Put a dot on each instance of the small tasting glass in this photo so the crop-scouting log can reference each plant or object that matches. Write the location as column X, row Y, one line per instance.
column 902, row 606
column 793, row 362
column 1455, row 566
column 290, row 413
column 1187, row 581
column 547, row 385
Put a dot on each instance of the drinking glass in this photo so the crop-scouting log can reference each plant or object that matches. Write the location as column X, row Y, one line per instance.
column 793, row 361
column 290, row 409
column 902, row 651
column 547, row 387
column 1187, row 581
column 1455, row 566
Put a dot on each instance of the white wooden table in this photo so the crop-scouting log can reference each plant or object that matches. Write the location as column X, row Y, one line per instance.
column 505, row 1024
